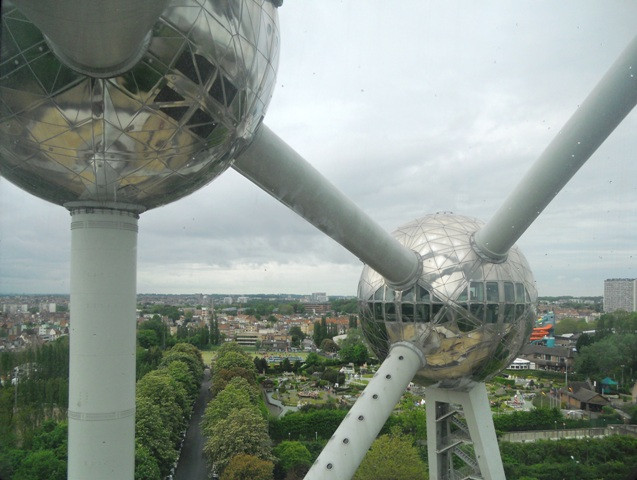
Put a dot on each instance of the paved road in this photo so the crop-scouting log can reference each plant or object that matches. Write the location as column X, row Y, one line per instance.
column 192, row 464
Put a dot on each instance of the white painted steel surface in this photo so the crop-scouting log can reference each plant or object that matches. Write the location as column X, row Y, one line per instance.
column 344, row 452
column 477, row 412
column 102, row 345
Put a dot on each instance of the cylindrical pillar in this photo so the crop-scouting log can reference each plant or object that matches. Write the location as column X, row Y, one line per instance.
column 344, row 452
column 101, row 409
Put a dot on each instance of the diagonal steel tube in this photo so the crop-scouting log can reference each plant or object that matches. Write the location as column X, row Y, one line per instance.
column 605, row 107
column 345, row 450
column 275, row 167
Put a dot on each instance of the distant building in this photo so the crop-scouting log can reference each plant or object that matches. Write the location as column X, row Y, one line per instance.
column 248, row 339
column 581, row 396
column 620, row 294
column 549, row 358
column 317, row 308
column 522, row 364
column 318, row 297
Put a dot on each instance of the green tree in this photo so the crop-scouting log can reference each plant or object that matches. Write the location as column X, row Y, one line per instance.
column 286, row 365
column 41, row 464
column 167, row 394
column 606, row 356
column 227, row 400
column 313, row 360
column 228, row 347
column 248, row 467
column 320, row 423
column 189, row 349
column 222, row 377
column 356, row 353
column 232, row 360
column 291, row 454
column 179, row 371
column 154, row 434
column 412, row 420
column 147, row 338
column 146, row 466
column 329, row 345
column 194, row 364
column 571, row 325
column 392, row 457
column 242, row 431
column 297, row 335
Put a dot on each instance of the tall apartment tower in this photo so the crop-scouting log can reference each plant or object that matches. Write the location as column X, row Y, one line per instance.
column 620, row 294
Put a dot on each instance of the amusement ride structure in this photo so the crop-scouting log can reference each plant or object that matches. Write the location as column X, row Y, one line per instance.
column 111, row 108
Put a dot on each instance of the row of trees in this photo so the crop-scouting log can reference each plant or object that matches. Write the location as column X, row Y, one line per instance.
column 164, row 399
column 34, row 394
column 155, row 333
column 237, row 444
column 610, row 458
column 323, row 330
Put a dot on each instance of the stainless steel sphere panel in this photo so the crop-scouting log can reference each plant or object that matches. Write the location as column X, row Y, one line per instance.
column 151, row 135
column 469, row 317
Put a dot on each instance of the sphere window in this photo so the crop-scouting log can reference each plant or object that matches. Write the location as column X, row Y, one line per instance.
column 422, row 313
column 476, row 292
column 509, row 313
column 423, row 295
column 378, row 311
column 493, row 294
column 462, row 296
column 409, row 295
column 407, row 312
column 390, row 312
column 477, row 310
column 492, row 313
column 509, row 292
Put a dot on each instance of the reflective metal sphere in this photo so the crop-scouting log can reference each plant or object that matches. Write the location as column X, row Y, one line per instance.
column 148, row 136
column 469, row 317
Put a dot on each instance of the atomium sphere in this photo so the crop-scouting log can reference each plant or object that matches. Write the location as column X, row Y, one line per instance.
column 469, row 317
column 148, row 136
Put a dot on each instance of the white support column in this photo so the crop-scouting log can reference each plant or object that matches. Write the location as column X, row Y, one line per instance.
column 344, row 452
column 477, row 412
column 102, row 344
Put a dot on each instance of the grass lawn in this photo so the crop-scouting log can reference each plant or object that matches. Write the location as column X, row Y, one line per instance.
column 208, row 355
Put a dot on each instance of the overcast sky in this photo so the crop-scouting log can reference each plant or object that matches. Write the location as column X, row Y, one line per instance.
column 409, row 107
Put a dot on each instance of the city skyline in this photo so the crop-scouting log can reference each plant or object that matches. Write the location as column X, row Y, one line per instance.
column 403, row 127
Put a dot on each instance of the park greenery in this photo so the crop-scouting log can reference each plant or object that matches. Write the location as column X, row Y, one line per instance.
column 33, row 427
column 235, row 420
column 244, row 441
column 164, row 399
